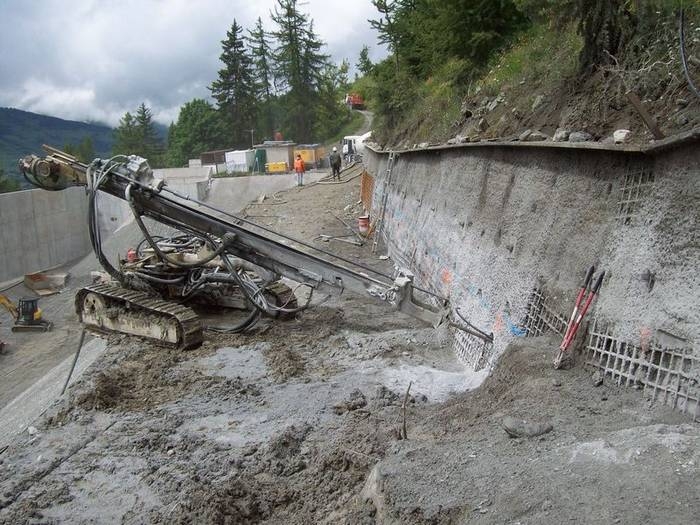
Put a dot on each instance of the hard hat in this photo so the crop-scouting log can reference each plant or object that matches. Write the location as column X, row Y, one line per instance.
column 335, row 149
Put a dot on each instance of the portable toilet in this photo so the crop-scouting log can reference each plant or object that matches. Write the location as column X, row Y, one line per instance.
column 259, row 160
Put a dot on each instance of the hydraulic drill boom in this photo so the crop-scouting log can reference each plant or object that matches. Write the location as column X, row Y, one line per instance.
column 130, row 179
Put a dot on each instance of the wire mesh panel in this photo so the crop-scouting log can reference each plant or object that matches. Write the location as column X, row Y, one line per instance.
column 636, row 187
column 541, row 317
column 472, row 351
column 669, row 375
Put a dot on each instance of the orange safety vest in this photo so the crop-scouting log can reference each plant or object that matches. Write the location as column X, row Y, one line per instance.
column 299, row 165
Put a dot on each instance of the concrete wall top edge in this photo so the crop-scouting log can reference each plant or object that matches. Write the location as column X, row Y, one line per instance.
column 659, row 146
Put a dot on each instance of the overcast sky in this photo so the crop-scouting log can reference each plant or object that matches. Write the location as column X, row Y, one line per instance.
column 97, row 59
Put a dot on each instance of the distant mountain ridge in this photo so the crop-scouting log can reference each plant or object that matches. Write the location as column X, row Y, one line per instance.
column 23, row 132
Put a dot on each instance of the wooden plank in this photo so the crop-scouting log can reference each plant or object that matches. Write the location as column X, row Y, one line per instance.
column 646, row 117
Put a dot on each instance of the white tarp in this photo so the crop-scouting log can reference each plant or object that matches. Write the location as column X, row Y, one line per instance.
column 240, row 160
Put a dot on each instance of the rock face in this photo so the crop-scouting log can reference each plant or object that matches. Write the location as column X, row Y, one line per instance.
column 622, row 136
column 538, row 102
column 580, row 136
column 518, row 428
column 532, row 136
column 561, row 135
column 458, row 139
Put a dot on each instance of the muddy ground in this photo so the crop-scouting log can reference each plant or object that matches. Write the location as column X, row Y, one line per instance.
column 299, row 421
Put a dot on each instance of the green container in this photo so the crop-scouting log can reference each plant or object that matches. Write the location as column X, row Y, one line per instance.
column 260, row 160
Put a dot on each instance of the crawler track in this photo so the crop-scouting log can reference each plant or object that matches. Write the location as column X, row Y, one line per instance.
column 108, row 308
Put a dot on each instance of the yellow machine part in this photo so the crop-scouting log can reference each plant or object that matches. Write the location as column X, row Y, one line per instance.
column 9, row 306
column 276, row 167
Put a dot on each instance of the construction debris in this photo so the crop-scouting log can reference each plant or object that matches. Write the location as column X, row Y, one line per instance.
column 46, row 283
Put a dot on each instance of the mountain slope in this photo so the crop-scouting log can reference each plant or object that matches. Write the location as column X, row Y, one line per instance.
column 22, row 132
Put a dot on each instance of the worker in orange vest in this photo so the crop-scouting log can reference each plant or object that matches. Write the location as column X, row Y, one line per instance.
column 300, row 169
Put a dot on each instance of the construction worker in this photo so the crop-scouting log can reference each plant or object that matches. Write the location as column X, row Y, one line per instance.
column 299, row 168
column 336, row 160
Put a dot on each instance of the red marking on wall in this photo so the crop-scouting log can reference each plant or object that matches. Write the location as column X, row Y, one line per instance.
column 446, row 276
column 499, row 324
column 644, row 338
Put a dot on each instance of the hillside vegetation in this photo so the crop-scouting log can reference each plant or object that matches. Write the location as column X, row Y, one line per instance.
column 476, row 70
column 22, row 132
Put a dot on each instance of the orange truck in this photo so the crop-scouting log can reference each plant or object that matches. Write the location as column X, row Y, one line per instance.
column 355, row 101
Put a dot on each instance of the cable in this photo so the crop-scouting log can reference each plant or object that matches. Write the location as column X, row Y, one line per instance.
column 155, row 247
column 249, row 322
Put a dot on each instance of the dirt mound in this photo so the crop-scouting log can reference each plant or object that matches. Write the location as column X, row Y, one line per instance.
column 524, row 384
column 146, row 376
column 284, row 363
column 294, row 479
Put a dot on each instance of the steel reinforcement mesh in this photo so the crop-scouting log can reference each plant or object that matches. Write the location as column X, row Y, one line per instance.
column 472, row 351
column 541, row 318
column 668, row 375
column 635, row 188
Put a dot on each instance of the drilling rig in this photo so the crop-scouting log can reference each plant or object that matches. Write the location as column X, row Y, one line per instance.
column 215, row 257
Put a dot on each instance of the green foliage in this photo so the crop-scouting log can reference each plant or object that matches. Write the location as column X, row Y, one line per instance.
column 541, row 54
column 261, row 53
column 277, row 81
column 331, row 114
column 198, row 128
column 136, row 135
column 364, row 64
column 6, row 184
column 299, row 69
column 83, row 151
column 236, row 89
column 22, row 132
column 449, row 39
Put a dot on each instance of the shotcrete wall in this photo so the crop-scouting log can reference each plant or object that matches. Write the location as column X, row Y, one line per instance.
column 41, row 229
column 507, row 233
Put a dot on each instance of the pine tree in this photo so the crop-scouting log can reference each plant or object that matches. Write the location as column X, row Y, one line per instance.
column 151, row 146
column 235, row 89
column 261, row 53
column 364, row 64
column 136, row 135
column 299, row 66
column 127, row 138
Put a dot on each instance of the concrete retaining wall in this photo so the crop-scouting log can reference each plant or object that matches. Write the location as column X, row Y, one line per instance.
column 41, row 229
column 489, row 225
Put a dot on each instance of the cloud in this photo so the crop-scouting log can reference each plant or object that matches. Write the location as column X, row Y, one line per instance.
column 97, row 59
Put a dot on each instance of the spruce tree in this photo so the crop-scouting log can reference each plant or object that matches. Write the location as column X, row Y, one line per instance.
column 299, row 66
column 261, row 53
column 364, row 64
column 136, row 135
column 126, row 136
column 235, row 89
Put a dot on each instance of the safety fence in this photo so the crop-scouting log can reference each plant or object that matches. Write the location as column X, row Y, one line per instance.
column 366, row 190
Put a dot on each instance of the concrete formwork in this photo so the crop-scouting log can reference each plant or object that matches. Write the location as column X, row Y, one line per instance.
column 493, row 226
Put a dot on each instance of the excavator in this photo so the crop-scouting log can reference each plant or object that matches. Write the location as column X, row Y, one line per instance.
column 213, row 257
column 26, row 314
